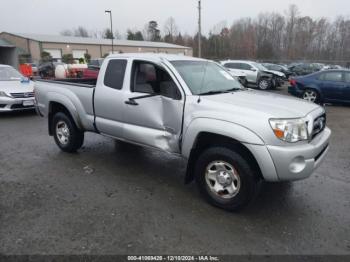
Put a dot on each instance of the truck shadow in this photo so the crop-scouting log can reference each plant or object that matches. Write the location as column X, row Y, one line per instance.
column 166, row 169
column 14, row 114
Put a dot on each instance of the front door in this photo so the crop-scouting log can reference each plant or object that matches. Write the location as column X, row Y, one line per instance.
column 347, row 86
column 332, row 85
column 153, row 108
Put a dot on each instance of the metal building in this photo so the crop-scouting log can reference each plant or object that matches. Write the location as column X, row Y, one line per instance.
column 32, row 45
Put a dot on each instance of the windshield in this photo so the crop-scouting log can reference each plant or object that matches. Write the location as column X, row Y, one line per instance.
column 9, row 74
column 259, row 66
column 205, row 77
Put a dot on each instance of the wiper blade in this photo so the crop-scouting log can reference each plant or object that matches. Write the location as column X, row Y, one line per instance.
column 213, row 92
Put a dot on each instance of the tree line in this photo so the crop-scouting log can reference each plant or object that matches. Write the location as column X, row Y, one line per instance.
column 270, row 36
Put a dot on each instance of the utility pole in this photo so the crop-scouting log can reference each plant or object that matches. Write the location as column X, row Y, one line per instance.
column 110, row 16
column 199, row 29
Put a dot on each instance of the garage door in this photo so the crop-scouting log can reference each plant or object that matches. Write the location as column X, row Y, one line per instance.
column 55, row 53
column 79, row 53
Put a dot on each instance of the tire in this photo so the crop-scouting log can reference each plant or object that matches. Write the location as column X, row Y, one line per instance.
column 264, row 84
column 66, row 134
column 311, row 95
column 216, row 161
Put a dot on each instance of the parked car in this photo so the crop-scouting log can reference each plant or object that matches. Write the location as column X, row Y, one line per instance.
column 255, row 74
column 231, row 137
column 279, row 68
column 278, row 76
column 16, row 91
column 303, row 69
column 322, row 87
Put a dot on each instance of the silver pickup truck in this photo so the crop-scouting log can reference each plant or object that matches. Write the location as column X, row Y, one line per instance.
column 231, row 137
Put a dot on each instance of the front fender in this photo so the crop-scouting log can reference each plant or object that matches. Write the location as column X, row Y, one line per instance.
column 219, row 127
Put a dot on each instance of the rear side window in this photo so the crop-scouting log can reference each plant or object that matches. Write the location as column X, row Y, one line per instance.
column 347, row 77
column 333, row 76
column 233, row 65
column 115, row 72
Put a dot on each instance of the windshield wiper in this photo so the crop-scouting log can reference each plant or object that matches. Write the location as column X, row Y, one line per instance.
column 213, row 92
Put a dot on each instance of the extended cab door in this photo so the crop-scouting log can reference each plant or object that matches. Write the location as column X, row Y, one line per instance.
column 108, row 98
column 153, row 107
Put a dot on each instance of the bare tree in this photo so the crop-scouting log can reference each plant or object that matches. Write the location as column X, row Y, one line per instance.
column 170, row 30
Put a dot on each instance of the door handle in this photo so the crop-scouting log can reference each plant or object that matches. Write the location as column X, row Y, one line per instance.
column 131, row 102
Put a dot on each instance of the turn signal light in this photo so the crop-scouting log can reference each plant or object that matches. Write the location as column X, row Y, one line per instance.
column 292, row 82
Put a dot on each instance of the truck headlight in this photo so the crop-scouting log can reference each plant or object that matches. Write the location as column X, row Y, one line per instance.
column 3, row 94
column 290, row 130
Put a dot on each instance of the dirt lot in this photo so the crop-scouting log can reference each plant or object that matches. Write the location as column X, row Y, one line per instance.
column 112, row 199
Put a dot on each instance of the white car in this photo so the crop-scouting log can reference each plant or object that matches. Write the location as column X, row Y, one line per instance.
column 256, row 73
column 16, row 91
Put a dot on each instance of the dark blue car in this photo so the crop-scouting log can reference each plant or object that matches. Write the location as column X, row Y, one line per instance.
column 322, row 87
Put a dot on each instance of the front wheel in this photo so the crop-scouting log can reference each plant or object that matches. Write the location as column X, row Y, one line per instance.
column 67, row 136
column 264, row 84
column 225, row 178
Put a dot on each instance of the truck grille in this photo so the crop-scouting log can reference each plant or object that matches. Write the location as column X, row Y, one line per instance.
column 22, row 95
column 319, row 125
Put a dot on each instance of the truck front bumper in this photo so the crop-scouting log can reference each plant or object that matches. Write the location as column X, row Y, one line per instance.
column 8, row 104
column 300, row 161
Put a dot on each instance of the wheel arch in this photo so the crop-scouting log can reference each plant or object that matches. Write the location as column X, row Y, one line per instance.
column 56, row 106
column 206, row 140
column 315, row 88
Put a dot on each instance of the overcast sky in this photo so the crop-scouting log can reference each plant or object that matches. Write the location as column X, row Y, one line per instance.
column 53, row 16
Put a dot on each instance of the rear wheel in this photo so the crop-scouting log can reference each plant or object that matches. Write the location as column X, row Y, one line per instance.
column 66, row 134
column 225, row 178
column 311, row 95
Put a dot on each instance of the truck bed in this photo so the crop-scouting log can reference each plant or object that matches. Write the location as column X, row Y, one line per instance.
column 83, row 82
column 74, row 94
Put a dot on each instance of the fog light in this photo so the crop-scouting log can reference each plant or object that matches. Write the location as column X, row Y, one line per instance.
column 298, row 165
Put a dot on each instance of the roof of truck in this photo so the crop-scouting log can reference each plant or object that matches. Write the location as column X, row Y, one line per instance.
column 159, row 56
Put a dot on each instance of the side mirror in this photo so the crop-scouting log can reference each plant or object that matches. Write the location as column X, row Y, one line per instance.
column 253, row 69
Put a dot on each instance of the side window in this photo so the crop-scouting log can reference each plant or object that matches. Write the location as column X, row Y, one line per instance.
column 246, row 67
column 233, row 65
column 151, row 79
column 321, row 77
column 347, row 77
column 114, row 76
column 333, row 76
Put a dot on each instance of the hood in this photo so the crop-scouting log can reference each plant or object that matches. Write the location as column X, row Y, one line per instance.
column 277, row 73
column 16, row 87
column 259, row 103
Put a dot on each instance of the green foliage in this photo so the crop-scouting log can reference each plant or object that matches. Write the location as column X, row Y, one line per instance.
column 45, row 56
column 68, row 59
column 87, row 57
column 107, row 34
column 134, row 35
column 24, row 58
